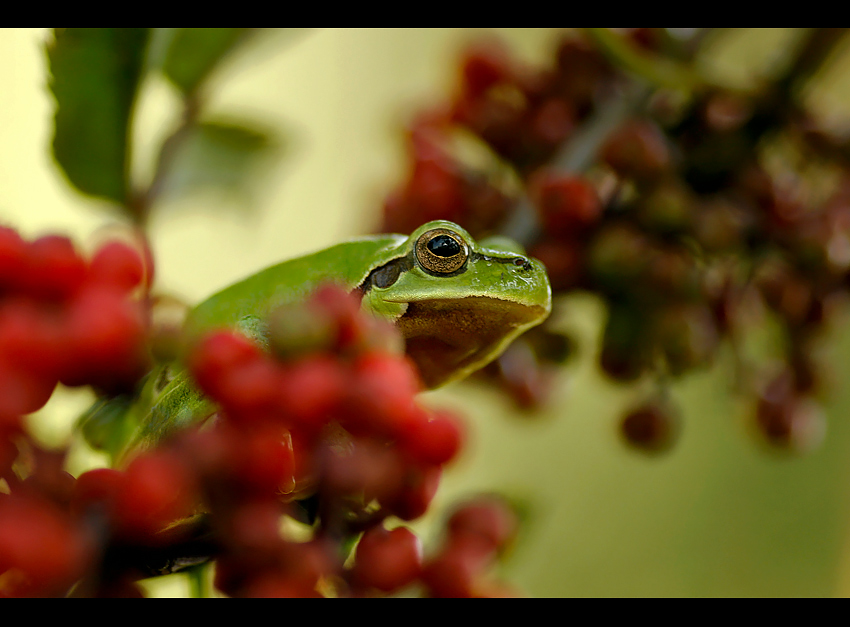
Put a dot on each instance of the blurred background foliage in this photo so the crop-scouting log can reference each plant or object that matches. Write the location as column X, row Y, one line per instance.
column 719, row 514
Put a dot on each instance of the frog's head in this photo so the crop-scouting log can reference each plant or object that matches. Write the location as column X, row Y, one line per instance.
column 457, row 302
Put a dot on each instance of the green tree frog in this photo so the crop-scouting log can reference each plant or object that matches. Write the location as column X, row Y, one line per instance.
column 458, row 303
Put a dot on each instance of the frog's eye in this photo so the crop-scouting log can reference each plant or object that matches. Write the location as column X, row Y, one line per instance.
column 441, row 251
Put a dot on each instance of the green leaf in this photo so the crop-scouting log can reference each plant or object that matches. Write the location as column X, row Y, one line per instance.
column 108, row 423
column 213, row 155
column 193, row 53
column 95, row 76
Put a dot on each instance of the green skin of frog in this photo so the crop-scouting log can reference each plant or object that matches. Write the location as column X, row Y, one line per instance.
column 458, row 304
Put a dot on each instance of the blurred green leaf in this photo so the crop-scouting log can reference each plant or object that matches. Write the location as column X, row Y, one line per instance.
column 95, row 75
column 192, row 53
column 108, row 423
column 213, row 154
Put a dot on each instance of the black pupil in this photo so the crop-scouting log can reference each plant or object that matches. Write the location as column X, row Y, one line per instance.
column 444, row 246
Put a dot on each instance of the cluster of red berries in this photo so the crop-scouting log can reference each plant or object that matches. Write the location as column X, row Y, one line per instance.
column 62, row 319
column 67, row 320
column 329, row 420
column 476, row 533
column 320, row 428
column 346, row 389
column 440, row 188
column 687, row 214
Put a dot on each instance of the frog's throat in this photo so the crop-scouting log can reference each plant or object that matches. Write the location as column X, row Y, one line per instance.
column 449, row 339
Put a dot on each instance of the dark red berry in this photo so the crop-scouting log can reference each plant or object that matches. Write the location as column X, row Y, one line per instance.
column 217, row 354
column 39, row 541
column 565, row 203
column 433, row 441
column 387, row 560
column 459, row 567
column 653, row 427
column 484, row 66
column 486, row 517
column 310, row 391
column 96, row 489
column 54, row 268
column 157, row 489
column 13, row 258
column 419, row 487
column 638, row 149
column 116, row 263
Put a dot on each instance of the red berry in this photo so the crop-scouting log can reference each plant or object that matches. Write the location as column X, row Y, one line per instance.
column 248, row 392
column 255, row 526
column 487, row 518
column 582, row 72
column 96, row 488
column 344, row 312
column 381, row 396
column 787, row 419
column 565, row 203
column 21, row 392
column 34, row 337
column 500, row 122
column 13, row 258
column 117, row 264
column 367, row 467
column 552, row 122
column 309, row 561
column 455, row 572
column 420, row 486
column 157, row 489
column 387, row 560
column 653, row 427
column 295, row 569
column 277, row 586
column 484, row 66
column 436, row 441
column 37, row 539
column 638, row 149
column 263, row 460
column 647, row 38
column 107, row 334
column 217, row 354
column 310, row 391
column 54, row 269
column 436, row 190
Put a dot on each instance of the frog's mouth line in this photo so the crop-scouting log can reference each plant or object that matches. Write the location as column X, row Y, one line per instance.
column 450, row 337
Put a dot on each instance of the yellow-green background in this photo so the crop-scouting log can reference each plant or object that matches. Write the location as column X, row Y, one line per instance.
column 719, row 515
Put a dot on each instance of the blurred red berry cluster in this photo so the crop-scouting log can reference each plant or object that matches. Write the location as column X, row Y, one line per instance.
column 476, row 533
column 688, row 216
column 323, row 431
column 63, row 319
column 333, row 424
